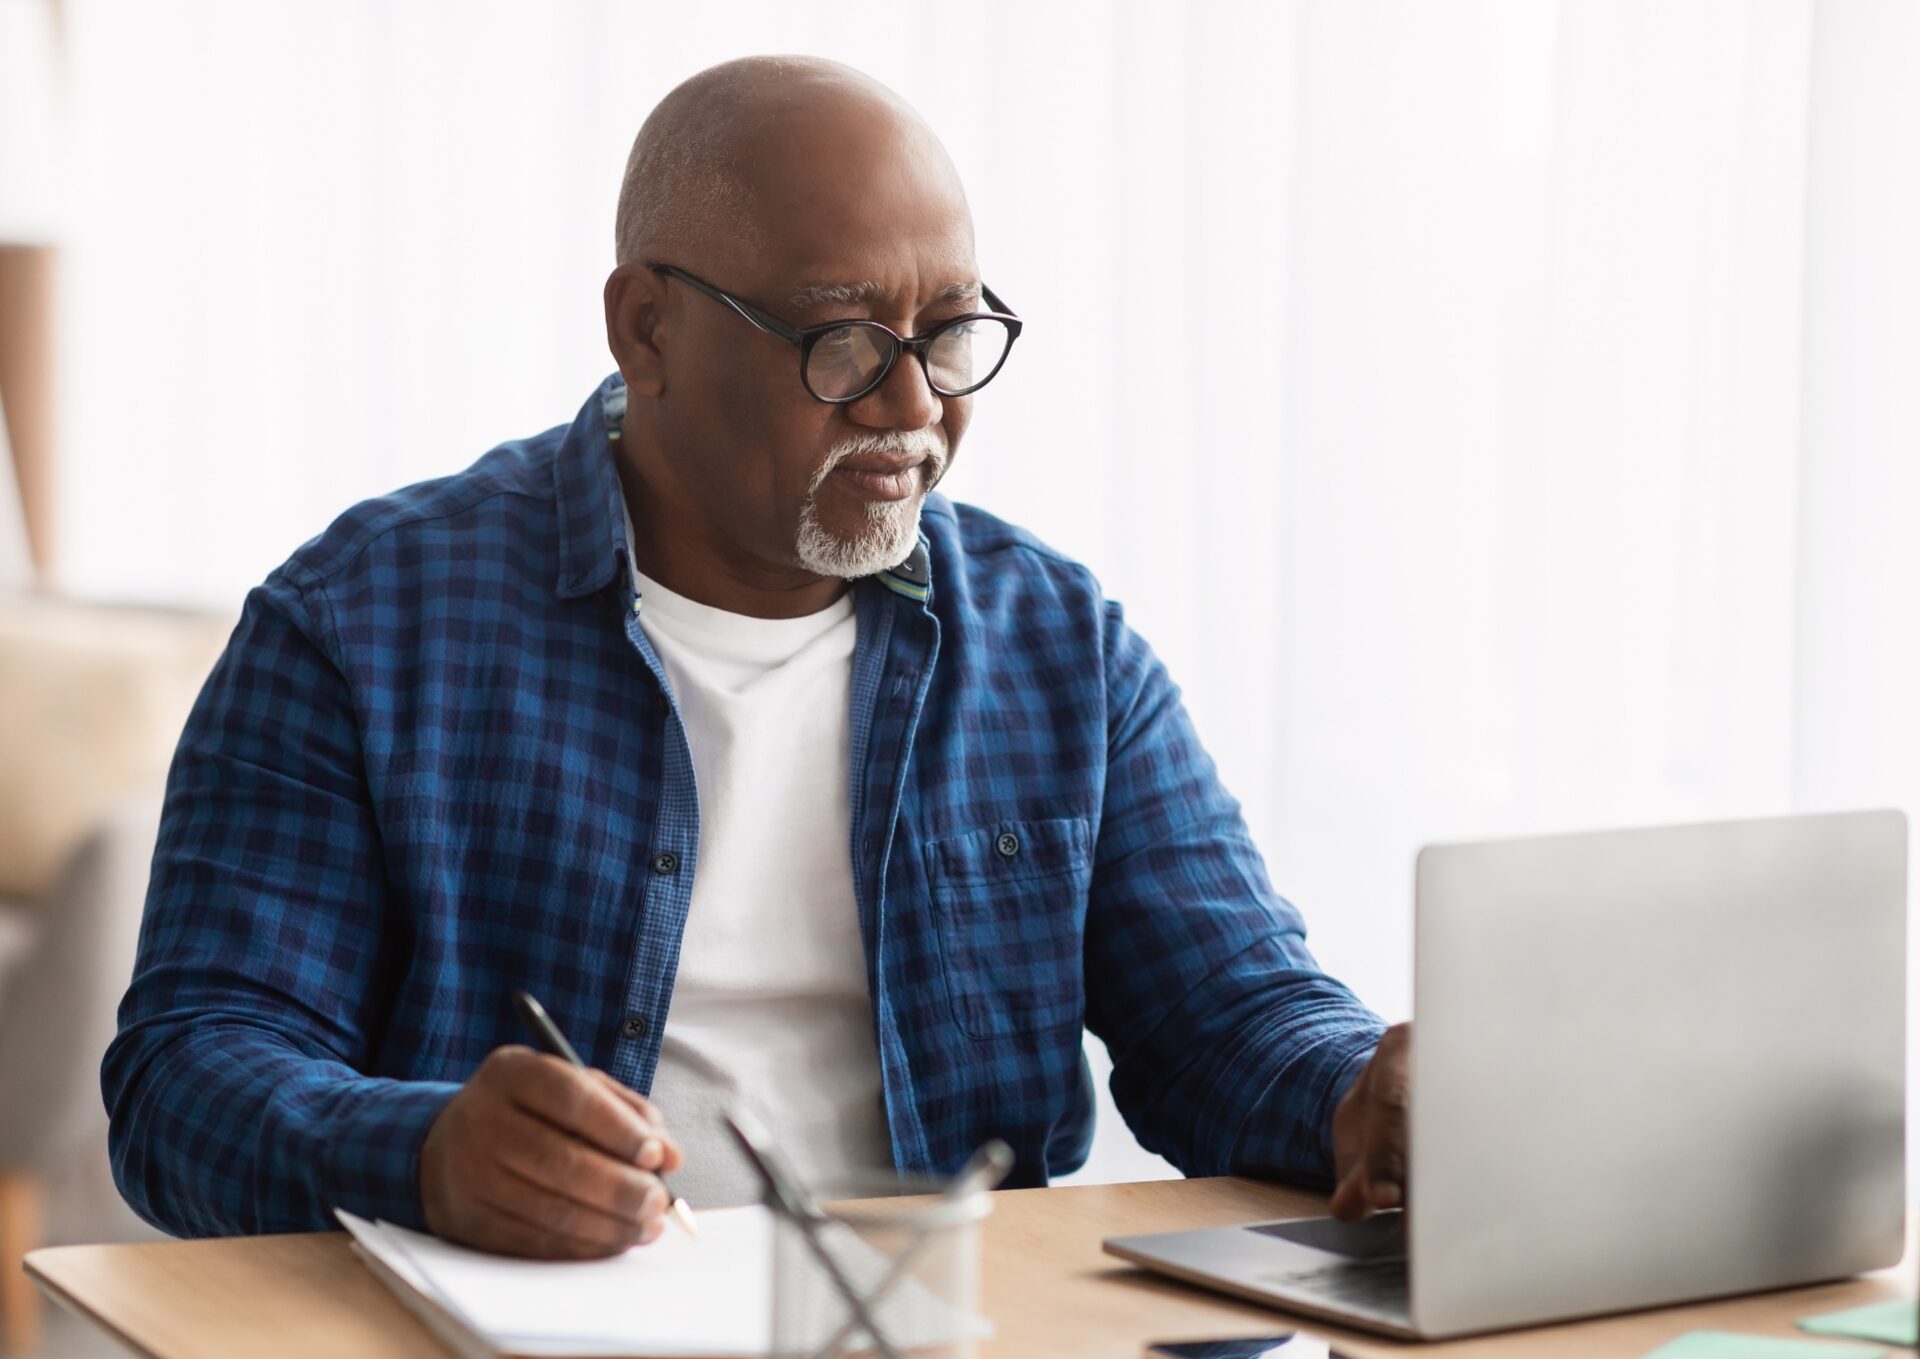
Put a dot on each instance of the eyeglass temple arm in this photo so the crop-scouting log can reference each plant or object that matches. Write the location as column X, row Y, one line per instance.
column 752, row 315
column 993, row 300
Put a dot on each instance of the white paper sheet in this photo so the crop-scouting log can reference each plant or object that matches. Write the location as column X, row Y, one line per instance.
column 710, row 1295
column 705, row 1295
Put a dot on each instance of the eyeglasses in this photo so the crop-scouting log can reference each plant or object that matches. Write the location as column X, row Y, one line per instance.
column 842, row 361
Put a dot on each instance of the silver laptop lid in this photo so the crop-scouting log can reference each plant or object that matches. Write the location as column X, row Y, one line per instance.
column 1652, row 1065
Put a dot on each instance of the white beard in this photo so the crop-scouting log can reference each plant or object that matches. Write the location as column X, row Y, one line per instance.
column 892, row 527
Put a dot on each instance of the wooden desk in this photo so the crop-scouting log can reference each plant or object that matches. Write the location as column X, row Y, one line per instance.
column 1048, row 1288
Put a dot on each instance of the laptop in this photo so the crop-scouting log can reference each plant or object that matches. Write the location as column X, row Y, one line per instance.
column 1649, row 1066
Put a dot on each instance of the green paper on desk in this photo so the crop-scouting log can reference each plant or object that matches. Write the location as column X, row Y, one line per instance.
column 1733, row 1345
column 1894, row 1321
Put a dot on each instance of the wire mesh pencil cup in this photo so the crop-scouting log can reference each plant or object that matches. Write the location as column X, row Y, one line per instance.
column 892, row 1270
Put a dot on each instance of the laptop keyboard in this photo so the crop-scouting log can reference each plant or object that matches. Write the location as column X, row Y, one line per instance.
column 1359, row 1285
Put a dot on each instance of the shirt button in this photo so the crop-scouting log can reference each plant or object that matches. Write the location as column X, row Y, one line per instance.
column 633, row 1026
column 1007, row 845
column 665, row 861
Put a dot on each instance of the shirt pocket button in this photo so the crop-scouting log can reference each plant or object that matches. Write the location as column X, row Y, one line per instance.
column 633, row 1026
column 1008, row 902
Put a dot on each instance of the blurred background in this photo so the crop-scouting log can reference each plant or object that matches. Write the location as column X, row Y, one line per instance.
column 1501, row 415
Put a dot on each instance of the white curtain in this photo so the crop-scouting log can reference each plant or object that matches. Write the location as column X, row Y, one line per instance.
column 1500, row 414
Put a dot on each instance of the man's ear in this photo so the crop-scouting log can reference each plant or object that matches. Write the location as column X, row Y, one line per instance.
column 634, row 294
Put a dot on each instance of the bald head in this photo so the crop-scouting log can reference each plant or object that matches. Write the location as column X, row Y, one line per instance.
column 738, row 148
column 811, row 196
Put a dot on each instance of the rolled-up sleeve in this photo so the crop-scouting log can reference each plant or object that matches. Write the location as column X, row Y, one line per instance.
column 236, row 1086
column 1230, row 1045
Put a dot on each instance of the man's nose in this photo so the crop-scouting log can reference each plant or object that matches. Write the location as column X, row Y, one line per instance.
column 903, row 401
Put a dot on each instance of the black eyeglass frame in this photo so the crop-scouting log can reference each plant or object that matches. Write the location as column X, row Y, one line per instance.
column 805, row 337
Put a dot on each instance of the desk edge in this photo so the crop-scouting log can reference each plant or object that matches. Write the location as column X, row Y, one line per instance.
column 59, row 1294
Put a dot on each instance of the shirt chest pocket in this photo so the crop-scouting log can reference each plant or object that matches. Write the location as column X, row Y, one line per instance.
column 1010, row 907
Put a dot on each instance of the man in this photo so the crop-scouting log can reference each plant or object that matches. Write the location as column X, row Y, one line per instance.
column 774, row 776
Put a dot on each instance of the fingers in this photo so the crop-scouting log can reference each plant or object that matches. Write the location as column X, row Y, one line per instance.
column 510, row 1225
column 1384, row 1133
column 646, row 1107
column 1349, row 1201
column 576, row 1173
column 536, row 1157
column 513, row 1228
column 571, row 1099
column 589, row 1104
column 660, row 1152
column 1370, row 1133
column 1349, row 1195
column 1383, row 1157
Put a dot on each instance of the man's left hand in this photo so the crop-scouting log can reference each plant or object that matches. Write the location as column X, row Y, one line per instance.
column 1370, row 1133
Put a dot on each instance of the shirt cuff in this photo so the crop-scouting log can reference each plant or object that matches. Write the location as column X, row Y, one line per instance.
column 373, row 1163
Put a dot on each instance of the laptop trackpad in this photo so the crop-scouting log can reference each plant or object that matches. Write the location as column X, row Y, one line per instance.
column 1379, row 1237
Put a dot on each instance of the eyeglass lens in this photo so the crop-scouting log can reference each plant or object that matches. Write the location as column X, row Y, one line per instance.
column 845, row 362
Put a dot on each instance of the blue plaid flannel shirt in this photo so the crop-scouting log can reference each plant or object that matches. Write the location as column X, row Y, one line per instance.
column 439, row 761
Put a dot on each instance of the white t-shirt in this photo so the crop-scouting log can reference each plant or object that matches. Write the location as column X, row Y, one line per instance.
column 770, row 1000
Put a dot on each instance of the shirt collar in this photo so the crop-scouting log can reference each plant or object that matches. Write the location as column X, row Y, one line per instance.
column 594, row 530
column 586, row 494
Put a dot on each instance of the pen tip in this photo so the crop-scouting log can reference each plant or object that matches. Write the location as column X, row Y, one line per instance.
column 683, row 1214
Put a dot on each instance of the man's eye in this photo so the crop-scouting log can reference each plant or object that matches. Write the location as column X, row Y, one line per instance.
column 839, row 338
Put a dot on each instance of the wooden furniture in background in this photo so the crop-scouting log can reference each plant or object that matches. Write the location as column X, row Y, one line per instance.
column 1048, row 1289
column 92, row 699
column 21, row 1219
column 27, row 385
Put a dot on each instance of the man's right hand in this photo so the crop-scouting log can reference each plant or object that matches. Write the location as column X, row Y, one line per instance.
column 534, row 1156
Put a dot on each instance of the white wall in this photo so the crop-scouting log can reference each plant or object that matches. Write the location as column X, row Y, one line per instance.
column 1499, row 414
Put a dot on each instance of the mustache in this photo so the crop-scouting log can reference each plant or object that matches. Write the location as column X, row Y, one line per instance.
column 930, row 444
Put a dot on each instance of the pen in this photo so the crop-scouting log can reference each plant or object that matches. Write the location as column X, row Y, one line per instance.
column 547, row 1034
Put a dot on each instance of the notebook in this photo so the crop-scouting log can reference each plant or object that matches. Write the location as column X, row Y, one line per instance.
column 705, row 1297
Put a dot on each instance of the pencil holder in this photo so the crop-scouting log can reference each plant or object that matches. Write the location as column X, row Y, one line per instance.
column 890, row 1268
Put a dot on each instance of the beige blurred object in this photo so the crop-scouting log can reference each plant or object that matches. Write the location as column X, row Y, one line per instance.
column 32, row 206
column 16, row 560
column 27, row 395
column 92, row 700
